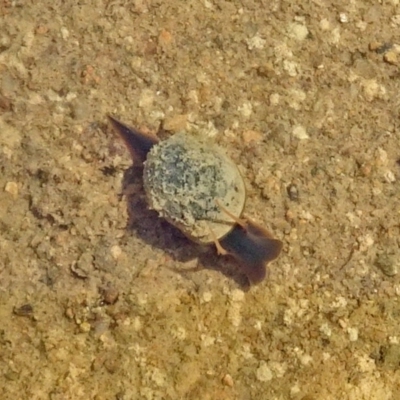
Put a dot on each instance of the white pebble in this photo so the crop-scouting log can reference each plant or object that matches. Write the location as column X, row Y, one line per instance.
column 228, row 380
column 297, row 31
column 372, row 89
column 237, row 295
column 246, row 109
column 116, row 252
column 206, row 297
column 353, row 334
column 305, row 359
column 343, row 18
column 274, row 99
column 300, row 132
column 64, row 33
column 179, row 333
column 207, row 340
column 256, row 42
column 12, row 188
column 294, row 390
column 389, row 176
column 264, row 374
column 290, row 67
column 325, row 329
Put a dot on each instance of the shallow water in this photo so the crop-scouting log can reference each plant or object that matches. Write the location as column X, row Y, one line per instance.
column 99, row 304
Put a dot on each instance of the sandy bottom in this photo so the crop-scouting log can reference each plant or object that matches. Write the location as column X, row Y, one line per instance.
column 100, row 299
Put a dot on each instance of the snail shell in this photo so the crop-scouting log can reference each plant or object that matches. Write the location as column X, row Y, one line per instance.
column 184, row 178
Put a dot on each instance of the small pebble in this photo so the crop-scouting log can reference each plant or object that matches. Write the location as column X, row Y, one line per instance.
column 387, row 264
column 256, row 42
column 374, row 46
column 293, row 192
column 379, row 47
column 237, row 295
column 353, row 334
column 206, row 297
column 23, row 311
column 110, row 295
column 227, row 380
column 274, row 99
column 116, row 252
column 389, row 176
column 263, row 373
column 300, row 132
column 325, row 24
column 64, row 33
column 305, row 359
column 78, row 271
column 291, row 67
column 81, row 268
column 298, row 31
column 391, row 58
column 12, row 188
column 343, row 18
column 84, row 327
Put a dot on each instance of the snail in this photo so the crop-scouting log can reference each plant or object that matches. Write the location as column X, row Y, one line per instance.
column 196, row 187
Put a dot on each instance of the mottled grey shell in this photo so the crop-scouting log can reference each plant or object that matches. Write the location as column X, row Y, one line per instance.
column 184, row 176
